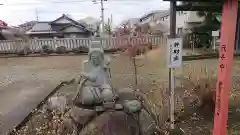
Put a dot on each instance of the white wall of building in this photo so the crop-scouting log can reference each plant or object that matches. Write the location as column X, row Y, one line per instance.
column 184, row 20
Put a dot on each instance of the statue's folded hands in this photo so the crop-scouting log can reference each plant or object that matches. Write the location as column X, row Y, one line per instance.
column 90, row 77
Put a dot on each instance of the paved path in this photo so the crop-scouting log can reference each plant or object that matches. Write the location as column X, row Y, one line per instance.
column 26, row 81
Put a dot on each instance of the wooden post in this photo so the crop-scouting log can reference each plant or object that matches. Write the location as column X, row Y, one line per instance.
column 171, row 72
column 226, row 50
column 237, row 43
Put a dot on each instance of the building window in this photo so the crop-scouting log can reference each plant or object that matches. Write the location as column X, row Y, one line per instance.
column 152, row 18
column 180, row 13
column 73, row 36
column 180, row 31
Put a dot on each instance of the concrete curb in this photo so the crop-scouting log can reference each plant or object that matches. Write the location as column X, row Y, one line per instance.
column 185, row 58
column 13, row 131
column 204, row 56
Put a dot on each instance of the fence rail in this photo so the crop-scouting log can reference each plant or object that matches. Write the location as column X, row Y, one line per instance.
column 35, row 45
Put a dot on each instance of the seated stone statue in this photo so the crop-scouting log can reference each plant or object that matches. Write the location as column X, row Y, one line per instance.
column 97, row 88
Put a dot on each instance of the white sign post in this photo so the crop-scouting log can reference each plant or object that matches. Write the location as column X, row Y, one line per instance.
column 174, row 52
column 214, row 34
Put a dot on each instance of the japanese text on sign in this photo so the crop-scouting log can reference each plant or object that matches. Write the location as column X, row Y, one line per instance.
column 220, row 85
column 218, row 97
column 174, row 52
column 222, row 57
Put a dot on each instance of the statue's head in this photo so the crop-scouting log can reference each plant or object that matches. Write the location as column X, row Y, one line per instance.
column 96, row 54
column 96, row 57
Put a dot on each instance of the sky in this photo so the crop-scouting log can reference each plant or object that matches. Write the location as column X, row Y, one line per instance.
column 16, row 12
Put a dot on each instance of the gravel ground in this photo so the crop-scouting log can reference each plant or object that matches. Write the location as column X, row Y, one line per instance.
column 26, row 81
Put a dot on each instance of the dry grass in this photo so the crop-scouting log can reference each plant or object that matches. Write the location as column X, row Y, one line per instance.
column 153, row 77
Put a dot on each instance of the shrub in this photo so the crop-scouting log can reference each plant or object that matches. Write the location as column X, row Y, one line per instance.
column 47, row 49
column 113, row 50
column 150, row 47
column 25, row 51
column 205, row 90
column 80, row 49
column 61, row 50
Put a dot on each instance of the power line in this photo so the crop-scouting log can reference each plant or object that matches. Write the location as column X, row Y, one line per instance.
column 53, row 2
column 73, row 1
column 6, row 2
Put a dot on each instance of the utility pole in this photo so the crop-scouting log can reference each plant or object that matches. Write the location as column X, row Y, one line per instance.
column 37, row 17
column 102, row 16
column 109, row 27
column 111, row 21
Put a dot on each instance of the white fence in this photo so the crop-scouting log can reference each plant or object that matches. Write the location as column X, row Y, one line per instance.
column 35, row 45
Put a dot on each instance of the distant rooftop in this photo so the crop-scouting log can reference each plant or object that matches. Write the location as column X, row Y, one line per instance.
column 90, row 20
column 161, row 13
column 26, row 24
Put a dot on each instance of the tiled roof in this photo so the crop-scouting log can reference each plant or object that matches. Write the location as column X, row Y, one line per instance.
column 79, row 26
column 42, row 26
column 68, row 18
